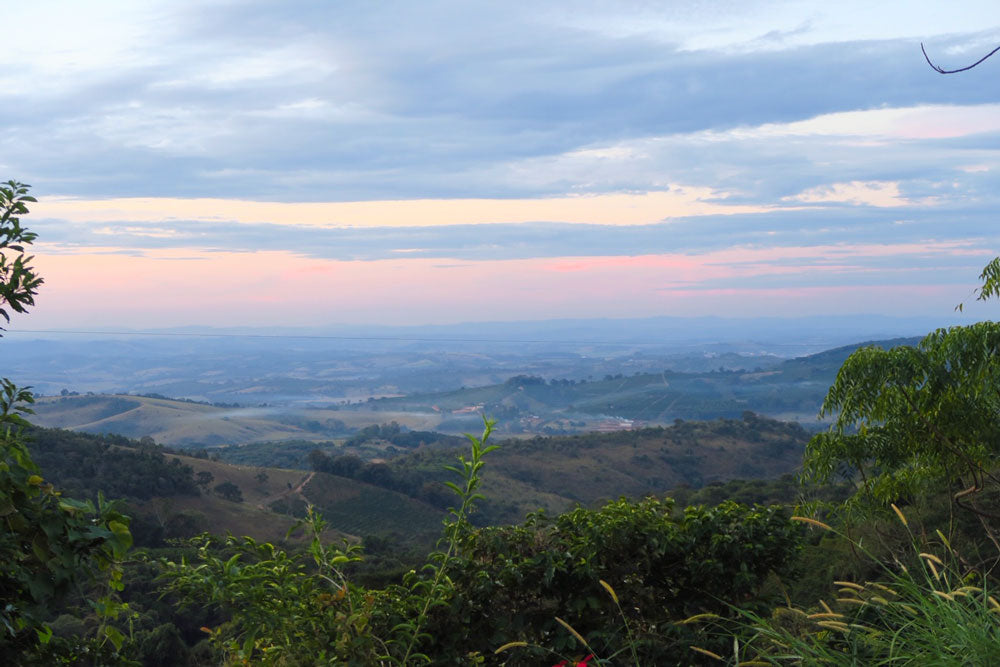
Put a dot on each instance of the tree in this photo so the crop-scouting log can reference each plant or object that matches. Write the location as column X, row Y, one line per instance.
column 912, row 421
column 204, row 478
column 991, row 283
column 49, row 544
column 230, row 492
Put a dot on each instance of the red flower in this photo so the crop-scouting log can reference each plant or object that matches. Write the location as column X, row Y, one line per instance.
column 582, row 663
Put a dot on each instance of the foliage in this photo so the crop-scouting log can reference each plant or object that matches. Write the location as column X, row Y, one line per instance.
column 81, row 464
column 990, row 278
column 283, row 612
column 930, row 613
column 514, row 581
column 49, row 545
column 393, row 478
column 397, row 435
column 18, row 281
column 912, row 420
column 361, row 509
column 437, row 589
column 229, row 491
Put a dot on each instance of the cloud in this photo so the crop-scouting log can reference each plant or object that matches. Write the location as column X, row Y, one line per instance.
column 334, row 102
column 870, row 193
column 237, row 289
column 502, row 140
column 608, row 209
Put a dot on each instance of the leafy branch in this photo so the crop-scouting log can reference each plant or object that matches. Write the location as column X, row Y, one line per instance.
column 18, row 281
column 436, row 591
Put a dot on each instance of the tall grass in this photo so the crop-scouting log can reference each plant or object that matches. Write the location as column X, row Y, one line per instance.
column 928, row 613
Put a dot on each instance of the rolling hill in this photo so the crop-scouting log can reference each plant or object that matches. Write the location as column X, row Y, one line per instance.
column 791, row 390
column 404, row 498
column 555, row 473
column 190, row 424
column 523, row 404
column 172, row 495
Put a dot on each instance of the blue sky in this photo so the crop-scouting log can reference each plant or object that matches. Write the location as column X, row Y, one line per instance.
column 406, row 163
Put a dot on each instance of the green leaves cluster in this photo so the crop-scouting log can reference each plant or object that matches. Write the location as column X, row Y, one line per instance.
column 514, row 581
column 300, row 608
column 49, row 545
column 990, row 287
column 284, row 608
column 914, row 420
column 18, row 281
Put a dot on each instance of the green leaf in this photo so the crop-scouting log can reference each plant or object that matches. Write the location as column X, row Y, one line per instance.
column 114, row 636
column 44, row 634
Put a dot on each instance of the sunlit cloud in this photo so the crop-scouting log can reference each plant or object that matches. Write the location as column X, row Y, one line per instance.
column 607, row 209
column 930, row 121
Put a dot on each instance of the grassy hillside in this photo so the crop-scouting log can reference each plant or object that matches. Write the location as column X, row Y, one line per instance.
column 172, row 495
column 363, row 509
column 174, row 423
column 353, row 509
column 555, row 473
column 405, row 498
column 188, row 424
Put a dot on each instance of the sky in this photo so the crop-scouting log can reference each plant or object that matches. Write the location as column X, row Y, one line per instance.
column 221, row 163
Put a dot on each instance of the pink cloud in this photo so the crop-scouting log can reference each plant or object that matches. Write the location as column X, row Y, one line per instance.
column 172, row 288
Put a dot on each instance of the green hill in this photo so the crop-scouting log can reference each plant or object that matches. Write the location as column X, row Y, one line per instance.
column 554, row 473
column 793, row 389
column 172, row 495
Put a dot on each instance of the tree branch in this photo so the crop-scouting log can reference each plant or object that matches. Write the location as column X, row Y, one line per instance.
column 953, row 71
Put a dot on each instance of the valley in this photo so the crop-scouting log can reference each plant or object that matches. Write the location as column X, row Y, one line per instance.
column 523, row 404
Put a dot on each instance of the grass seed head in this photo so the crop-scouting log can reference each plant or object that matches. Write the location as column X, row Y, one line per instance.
column 811, row 522
column 899, row 513
column 850, row 584
column 705, row 651
column 611, row 591
column 834, row 625
column 510, row 645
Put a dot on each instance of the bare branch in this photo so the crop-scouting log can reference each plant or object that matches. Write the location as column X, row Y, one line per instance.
column 953, row 71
